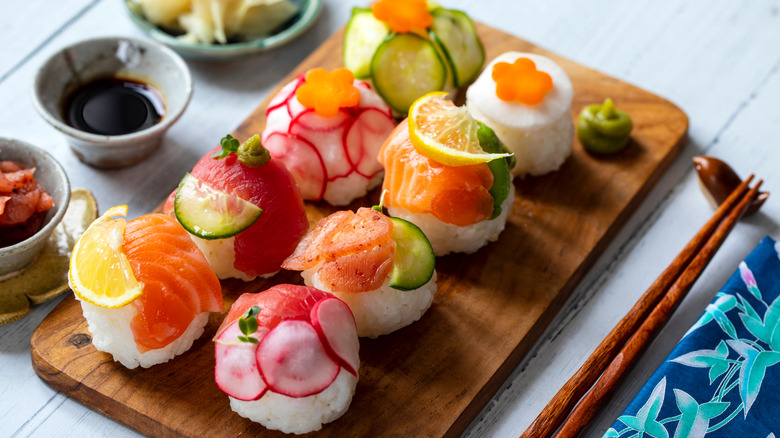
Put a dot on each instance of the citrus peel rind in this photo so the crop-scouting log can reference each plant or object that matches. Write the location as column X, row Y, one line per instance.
column 100, row 272
column 446, row 133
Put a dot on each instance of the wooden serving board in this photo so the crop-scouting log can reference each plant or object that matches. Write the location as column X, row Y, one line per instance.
column 433, row 377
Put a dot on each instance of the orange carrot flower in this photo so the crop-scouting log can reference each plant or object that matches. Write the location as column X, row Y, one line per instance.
column 403, row 15
column 521, row 82
column 326, row 93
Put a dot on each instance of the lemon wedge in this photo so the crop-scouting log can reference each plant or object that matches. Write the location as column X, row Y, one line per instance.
column 446, row 133
column 100, row 272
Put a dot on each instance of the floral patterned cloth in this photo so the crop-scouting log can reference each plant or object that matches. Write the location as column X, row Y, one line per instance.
column 723, row 378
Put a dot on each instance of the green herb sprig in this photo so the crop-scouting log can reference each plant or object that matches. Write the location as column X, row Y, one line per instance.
column 229, row 146
column 248, row 324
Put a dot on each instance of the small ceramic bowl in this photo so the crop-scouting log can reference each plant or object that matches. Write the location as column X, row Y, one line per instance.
column 308, row 12
column 141, row 60
column 52, row 178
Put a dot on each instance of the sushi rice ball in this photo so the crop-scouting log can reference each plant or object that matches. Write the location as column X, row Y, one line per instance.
column 526, row 99
column 382, row 267
column 327, row 129
column 288, row 358
column 145, row 289
column 242, row 208
column 460, row 196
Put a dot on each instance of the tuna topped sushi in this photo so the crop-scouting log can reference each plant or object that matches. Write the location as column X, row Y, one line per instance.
column 526, row 99
column 327, row 128
column 446, row 173
column 242, row 208
column 288, row 358
column 382, row 267
column 145, row 288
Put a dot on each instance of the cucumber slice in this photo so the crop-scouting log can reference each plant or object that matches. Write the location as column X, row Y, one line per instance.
column 405, row 67
column 414, row 261
column 489, row 142
column 209, row 213
column 363, row 34
column 455, row 33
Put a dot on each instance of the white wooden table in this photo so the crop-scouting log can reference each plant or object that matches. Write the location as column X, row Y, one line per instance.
column 719, row 60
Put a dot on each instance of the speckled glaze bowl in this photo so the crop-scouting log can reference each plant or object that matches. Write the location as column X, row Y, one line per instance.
column 141, row 60
column 309, row 11
column 52, row 178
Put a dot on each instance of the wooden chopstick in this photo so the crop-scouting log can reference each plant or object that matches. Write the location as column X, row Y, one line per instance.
column 593, row 400
column 575, row 388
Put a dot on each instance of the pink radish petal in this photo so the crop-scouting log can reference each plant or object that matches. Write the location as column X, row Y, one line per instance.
column 293, row 361
column 335, row 324
column 311, row 121
column 303, row 160
column 236, row 371
column 364, row 139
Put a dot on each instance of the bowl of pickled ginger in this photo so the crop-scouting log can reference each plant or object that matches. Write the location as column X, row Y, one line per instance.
column 223, row 29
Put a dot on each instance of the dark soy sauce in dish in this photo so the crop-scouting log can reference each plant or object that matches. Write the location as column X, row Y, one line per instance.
column 113, row 106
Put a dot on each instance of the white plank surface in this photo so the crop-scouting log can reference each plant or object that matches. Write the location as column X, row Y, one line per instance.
column 719, row 60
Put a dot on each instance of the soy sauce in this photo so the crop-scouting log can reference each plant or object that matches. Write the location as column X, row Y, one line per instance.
column 113, row 106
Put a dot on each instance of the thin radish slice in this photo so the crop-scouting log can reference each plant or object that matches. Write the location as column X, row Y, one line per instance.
column 236, row 369
column 302, row 160
column 310, row 121
column 329, row 143
column 293, row 361
column 335, row 324
column 365, row 138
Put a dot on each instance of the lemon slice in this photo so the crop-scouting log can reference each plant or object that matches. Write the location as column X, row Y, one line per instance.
column 445, row 132
column 100, row 272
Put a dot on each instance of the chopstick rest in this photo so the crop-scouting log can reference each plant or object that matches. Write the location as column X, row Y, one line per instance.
column 723, row 378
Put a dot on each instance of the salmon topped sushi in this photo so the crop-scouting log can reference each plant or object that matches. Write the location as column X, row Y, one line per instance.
column 288, row 358
column 447, row 174
column 382, row 267
column 145, row 288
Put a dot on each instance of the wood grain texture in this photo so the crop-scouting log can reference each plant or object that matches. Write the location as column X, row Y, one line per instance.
column 432, row 378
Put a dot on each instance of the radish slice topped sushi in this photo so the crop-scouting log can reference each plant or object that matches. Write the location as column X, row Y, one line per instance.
column 288, row 358
column 328, row 128
column 526, row 99
column 382, row 267
column 242, row 208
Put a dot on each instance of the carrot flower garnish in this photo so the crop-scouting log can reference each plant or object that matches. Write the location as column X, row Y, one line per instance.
column 521, row 82
column 326, row 93
column 402, row 16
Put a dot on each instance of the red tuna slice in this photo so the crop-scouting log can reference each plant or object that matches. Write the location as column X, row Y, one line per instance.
column 335, row 324
column 293, row 360
column 277, row 304
column 236, row 371
column 364, row 139
column 25, row 201
column 329, row 142
column 261, row 248
column 303, row 160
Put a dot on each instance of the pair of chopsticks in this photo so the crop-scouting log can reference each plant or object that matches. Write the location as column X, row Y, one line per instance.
column 626, row 342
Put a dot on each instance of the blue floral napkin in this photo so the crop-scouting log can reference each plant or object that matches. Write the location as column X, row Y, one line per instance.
column 723, row 378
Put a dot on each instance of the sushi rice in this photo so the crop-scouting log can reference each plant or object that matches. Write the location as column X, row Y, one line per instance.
column 300, row 415
column 221, row 255
column 384, row 310
column 446, row 238
column 111, row 333
column 541, row 136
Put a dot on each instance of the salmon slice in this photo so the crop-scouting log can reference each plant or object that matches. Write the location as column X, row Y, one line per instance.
column 178, row 282
column 24, row 202
column 10, row 180
column 355, row 249
column 455, row 195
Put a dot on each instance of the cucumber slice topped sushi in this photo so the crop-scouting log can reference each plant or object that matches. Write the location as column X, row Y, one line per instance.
column 414, row 261
column 455, row 32
column 404, row 67
column 212, row 214
column 363, row 34
column 489, row 142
